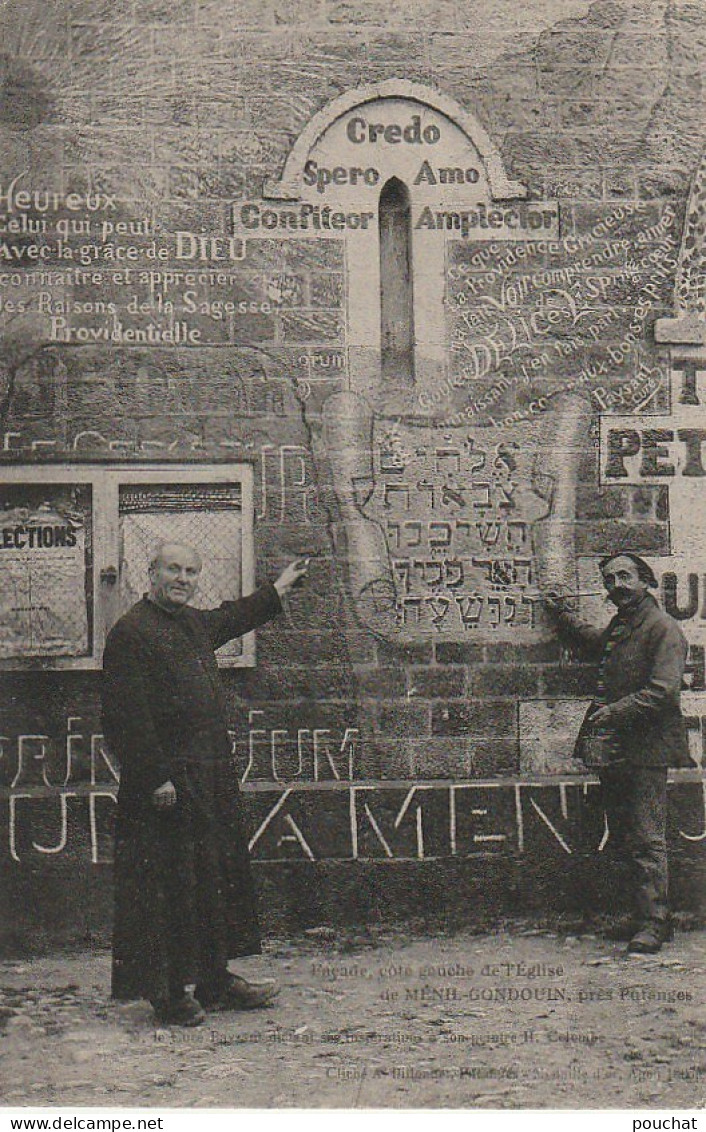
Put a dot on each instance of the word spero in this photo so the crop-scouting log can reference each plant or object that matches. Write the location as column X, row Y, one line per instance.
column 314, row 174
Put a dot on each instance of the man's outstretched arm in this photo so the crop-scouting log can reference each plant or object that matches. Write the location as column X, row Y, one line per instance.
column 233, row 619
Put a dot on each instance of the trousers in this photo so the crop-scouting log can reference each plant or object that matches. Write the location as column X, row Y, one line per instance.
column 635, row 802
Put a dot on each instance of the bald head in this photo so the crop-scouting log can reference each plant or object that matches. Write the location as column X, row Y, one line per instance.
column 174, row 575
column 166, row 550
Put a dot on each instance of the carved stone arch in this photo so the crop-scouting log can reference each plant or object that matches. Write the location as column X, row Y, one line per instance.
column 288, row 187
column 423, row 496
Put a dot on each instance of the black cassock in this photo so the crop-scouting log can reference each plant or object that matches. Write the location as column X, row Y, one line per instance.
column 184, row 900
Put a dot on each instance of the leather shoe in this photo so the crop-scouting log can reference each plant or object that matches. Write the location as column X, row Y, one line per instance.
column 239, row 994
column 184, row 1011
column 649, row 939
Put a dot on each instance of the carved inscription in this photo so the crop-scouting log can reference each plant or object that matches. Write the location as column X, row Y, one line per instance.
column 343, row 821
column 458, row 517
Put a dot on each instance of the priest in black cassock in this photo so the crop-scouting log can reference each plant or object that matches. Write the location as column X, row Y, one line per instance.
column 184, row 901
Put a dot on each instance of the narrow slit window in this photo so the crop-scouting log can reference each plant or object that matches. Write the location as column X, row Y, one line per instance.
column 396, row 292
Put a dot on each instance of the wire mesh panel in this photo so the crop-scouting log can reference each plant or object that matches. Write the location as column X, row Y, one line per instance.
column 206, row 516
column 46, row 587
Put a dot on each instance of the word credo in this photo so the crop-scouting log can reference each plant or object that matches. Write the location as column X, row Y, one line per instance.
column 359, row 130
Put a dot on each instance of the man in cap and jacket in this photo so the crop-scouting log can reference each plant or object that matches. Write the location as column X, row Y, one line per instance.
column 184, row 899
column 633, row 730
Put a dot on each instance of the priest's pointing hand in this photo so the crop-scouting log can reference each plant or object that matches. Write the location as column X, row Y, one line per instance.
column 292, row 575
column 165, row 795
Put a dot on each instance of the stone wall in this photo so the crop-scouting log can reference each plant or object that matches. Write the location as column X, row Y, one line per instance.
column 190, row 273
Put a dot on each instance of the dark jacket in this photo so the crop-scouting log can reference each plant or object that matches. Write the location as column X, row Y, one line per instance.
column 163, row 701
column 642, row 655
column 184, row 899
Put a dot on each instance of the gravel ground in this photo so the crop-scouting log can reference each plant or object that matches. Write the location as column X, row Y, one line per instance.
column 518, row 1017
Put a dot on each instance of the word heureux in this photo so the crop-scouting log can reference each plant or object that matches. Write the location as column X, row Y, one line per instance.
column 41, row 200
column 36, row 537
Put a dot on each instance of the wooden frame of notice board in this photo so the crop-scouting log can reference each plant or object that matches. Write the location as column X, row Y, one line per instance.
column 75, row 544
